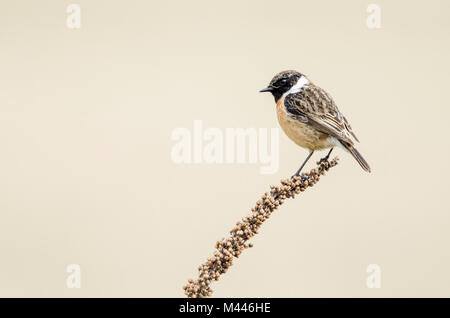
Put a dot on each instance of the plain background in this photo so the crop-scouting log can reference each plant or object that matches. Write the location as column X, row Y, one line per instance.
column 86, row 176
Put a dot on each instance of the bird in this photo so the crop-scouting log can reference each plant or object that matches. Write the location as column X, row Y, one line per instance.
column 309, row 116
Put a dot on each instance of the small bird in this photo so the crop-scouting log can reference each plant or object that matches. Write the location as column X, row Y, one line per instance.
column 309, row 116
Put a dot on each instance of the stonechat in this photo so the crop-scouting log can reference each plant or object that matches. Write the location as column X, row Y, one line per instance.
column 309, row 116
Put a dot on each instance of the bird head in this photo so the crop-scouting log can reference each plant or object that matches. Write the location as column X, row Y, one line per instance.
column 282, row 83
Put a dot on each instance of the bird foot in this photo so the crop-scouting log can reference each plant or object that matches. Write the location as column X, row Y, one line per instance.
column 324, row 161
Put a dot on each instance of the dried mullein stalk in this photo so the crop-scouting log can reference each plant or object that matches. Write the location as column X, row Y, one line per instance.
column 232, row 246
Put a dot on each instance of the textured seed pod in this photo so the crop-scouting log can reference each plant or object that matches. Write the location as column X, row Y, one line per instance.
column 236, row 243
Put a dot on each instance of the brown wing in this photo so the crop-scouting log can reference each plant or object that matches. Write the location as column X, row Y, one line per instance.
column 315, row 106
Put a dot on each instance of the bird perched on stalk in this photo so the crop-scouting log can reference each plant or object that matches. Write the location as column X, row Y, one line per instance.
column 309, row 116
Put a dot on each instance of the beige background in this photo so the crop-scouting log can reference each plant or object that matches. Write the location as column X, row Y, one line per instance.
column 86, row 118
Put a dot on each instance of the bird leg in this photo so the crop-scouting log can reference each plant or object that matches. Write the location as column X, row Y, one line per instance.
column 325, row 159
column 303, row 164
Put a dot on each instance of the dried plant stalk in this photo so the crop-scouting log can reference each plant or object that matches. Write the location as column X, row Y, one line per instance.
column 232, row 246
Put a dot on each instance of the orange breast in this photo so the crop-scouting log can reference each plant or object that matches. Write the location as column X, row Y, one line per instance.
column 301, row 133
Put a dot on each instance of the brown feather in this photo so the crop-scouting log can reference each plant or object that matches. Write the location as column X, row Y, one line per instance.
column 322, row 112
column 355, row 153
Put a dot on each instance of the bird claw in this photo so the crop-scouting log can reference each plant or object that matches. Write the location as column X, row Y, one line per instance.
column 324, row 159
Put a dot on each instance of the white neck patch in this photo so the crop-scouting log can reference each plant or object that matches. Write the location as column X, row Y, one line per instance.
column 302, row 81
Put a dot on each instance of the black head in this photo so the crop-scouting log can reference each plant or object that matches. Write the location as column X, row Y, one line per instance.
column 281, row 83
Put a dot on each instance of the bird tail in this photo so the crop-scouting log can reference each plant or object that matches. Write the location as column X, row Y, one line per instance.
column 355, row 153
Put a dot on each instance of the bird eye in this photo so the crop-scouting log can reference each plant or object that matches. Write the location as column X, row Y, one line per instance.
column 283, row 81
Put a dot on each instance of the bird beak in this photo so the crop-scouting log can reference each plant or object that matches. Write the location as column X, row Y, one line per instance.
column 267, row 89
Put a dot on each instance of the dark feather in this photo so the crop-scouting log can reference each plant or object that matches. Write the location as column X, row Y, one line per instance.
column 320, row 111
